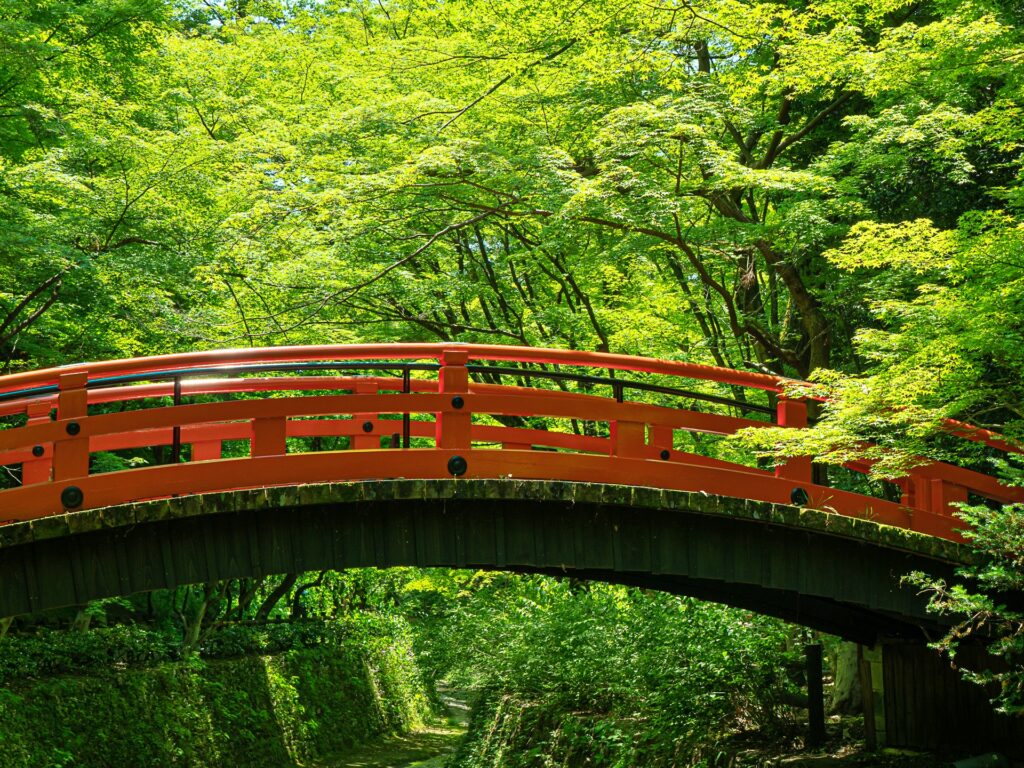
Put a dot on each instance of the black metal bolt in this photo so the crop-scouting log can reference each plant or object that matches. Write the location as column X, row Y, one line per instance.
column 799, row 497
column 38, row 450
column 458, row 402
column 73, row 428
column 72, row 497
column 664, row 455
column 367, row 426
column 457, row 466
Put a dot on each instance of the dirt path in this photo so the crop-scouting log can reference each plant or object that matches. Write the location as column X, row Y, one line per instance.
column 425, row 748
column 420, row 749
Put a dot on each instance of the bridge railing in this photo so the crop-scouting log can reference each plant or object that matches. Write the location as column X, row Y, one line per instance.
column 419, row 411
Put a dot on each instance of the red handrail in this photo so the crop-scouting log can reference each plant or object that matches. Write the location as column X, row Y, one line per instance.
column 461, row 428
column 348, row 352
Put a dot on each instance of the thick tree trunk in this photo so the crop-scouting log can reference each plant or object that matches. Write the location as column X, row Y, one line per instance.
column 846, row 692
column 82, row 622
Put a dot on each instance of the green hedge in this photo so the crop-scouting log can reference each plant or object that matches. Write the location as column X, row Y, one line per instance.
column 333, row 687
column 49, row 653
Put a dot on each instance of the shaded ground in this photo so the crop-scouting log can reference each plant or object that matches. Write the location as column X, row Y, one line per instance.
column 843, row 748
column 425, row 748
column 421, row 749
column 859, row 758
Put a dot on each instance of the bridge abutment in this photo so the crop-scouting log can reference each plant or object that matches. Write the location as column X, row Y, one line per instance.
column 915, row 698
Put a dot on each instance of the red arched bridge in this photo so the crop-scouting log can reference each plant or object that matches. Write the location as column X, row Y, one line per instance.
column 224, row 424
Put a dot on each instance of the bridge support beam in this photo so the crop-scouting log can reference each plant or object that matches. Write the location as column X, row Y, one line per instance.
column 815, row 696
column 872, row 684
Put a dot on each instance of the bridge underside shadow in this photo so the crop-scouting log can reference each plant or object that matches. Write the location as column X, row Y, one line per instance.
column 824, row 571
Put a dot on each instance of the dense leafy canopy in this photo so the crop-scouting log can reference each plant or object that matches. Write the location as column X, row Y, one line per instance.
column 704, row 180
column 817, row 188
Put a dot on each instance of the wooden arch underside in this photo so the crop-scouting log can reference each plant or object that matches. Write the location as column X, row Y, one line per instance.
column 825, row 571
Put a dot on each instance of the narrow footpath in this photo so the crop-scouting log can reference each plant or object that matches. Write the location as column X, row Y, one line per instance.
column 428, row 747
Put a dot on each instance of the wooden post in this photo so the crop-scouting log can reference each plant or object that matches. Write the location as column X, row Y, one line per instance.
column 867, row 698
column 815, row 697
column 873, row 695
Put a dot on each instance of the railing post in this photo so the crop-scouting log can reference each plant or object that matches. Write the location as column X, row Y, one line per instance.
column 944, row 495
column 367, row 424
column 71, row 454
column 793, row 413
column 917, row 492
column 453, row 426
column 39, row 467
column 931, row 494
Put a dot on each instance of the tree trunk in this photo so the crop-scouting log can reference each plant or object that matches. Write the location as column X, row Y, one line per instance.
column 194, row 625
column 274, row 597
column 82, row 622
column 846, row 693
column 247, row 590
column 298, row 609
